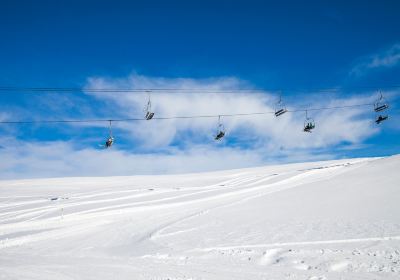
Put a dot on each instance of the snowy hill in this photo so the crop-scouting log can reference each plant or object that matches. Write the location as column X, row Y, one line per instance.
column 323, row 220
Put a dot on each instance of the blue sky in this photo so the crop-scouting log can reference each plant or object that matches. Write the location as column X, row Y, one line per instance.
column 295, row 46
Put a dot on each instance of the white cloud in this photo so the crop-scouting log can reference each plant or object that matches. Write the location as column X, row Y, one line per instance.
column 186, row 145
column 333, row 127
column 59, row 159
column 385, row 59
column 22, row 159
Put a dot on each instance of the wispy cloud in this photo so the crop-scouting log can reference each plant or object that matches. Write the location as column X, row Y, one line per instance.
column 386, row 58
column 23, row 159
column 186, row 145
column 333, row 127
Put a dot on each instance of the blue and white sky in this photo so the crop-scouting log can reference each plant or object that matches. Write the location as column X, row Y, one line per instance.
column 297, row 47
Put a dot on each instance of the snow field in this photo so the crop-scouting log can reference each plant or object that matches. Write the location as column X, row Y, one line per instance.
column 322, row 220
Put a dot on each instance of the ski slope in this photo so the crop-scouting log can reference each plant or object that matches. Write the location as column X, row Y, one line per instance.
column 322, row 220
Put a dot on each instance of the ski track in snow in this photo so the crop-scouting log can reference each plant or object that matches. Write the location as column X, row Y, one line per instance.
column 291, row 244
column 177, row 227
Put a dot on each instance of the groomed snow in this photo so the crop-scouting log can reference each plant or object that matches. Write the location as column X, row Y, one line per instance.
column 323, row 220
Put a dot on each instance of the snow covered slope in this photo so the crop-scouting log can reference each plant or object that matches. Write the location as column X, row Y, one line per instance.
column 322, row 220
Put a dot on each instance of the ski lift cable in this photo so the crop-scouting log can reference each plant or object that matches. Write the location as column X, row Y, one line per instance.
column 5, row 89
column 178, row 117
column 331, row 108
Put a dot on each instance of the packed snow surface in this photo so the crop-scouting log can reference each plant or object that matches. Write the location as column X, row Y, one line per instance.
column 322, row 220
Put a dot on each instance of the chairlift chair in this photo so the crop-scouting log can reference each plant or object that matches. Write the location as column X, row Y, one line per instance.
column 309, row 124
column 149, row 114
column 280, row 112
column 220, row 135
column 381, row 118
column 280, row 107
column 381, row 104
column 110, row 140
column 220, row 130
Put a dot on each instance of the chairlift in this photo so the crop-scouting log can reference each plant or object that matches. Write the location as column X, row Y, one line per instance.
column 380, row 104
column 280, row 107
column 220, row 130
column 309, row 124
column 149, row 114
column 381, row 118
column 110, row 140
